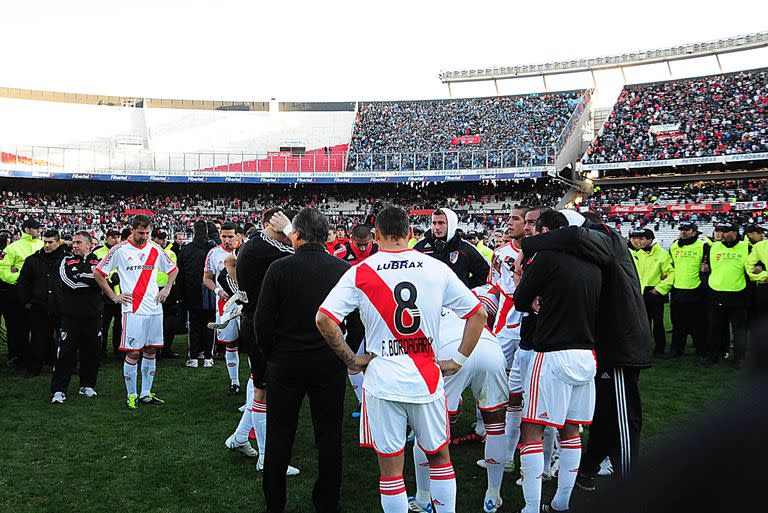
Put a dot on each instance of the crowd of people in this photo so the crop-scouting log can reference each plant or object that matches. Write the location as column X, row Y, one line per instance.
column 507, row 131
column 699, row 117
column 478, row 205
column 243, row 289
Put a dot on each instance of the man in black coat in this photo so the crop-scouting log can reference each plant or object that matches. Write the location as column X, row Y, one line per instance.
column 300, row 363
column 199, row 302
column 623, row 345
column 40, row 293
column 463, row 258
column 81, row 327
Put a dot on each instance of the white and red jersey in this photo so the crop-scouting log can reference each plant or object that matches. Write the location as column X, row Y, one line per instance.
column 501, row 279
column 452, row 332
column 214, row 264
column 400, row 295
column 137, row 269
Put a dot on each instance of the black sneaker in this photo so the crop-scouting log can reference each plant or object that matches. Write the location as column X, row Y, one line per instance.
column 233, row 390
column 585, row 482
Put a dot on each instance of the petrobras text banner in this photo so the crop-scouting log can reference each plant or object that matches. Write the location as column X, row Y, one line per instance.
column 291, row 178
column 722, row 159
column 466, row 139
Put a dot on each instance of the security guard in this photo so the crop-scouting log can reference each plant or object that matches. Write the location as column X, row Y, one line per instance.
column 726, row 262
column 170, row 307
column 656, row 273
column 757, row 269
column 111, row 309
column 753, row 234
column 688, row 292
column 15, row 254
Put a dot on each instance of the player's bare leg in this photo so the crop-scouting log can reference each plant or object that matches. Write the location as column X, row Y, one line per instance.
column 513, row 419
column 442, row 480
column 532, row 465
column 391, row 484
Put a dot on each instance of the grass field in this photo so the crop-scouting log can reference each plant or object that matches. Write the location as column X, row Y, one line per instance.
column 93, row 455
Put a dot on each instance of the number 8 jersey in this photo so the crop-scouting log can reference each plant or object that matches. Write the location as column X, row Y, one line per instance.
column 400, row 295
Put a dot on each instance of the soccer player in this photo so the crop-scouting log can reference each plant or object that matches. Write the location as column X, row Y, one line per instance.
column 214, row 265
column 484, row 372
column 400, row 294
column 358, row 247
column 137, row 261
column 559, row 388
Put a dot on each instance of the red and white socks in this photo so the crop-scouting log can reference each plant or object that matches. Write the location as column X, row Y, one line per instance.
column 443, row 487
column 532, row 468
column 130, row 374
column 495, row 456
column 570, row 458
column 148, row 367
column 246, row 419
column 514, row 418
column 259, row 419
column 232, row 358
column 393, row 496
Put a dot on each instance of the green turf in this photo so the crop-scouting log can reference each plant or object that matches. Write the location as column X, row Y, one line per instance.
column 93, row 455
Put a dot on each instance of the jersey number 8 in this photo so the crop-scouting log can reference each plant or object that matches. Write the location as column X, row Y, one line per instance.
column 406, row 305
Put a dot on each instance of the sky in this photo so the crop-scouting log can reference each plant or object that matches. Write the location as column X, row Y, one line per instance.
column 336, row 50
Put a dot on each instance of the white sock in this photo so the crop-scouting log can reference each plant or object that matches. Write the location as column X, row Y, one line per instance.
column 531, row 466
column 356, row 380
column 495, row 452
column 233, row 365
column 421, row 466
column 246, row 419
column 259, row 419
column 514, row 416
column 393, row 497
column 148, row 366
column 570, row 458
column 131, row 374
column 550, row 436
column 443, row 487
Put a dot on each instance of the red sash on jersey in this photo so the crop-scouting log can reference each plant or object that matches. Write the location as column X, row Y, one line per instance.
column 146, row 274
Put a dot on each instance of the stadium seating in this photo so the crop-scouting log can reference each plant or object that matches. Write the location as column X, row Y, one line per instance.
column 700, row 117
column 506, row 131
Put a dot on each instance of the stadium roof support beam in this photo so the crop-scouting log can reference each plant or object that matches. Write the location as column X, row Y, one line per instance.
column 682, row 52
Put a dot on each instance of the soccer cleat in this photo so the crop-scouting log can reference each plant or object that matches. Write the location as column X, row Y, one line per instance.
column 88, row 392
column 414, row 506
column 246, row 448
column 492, row 505
column 547, row 508
column 508, row 466
column 470, row 438
column 191, row 363
column 133, row 402
column 234, row 389
column 58, row 398
column 606, row 468
column 291, row 471
column 585, row 482
column 151, row 398
column 208, row 363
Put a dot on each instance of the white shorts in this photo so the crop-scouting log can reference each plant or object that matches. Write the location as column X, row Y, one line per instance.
column 485, row 373
column 383, row 425
column 140, row 331
column 509, row 340
column 560, row 387
column 232, row 332
column 519, row 369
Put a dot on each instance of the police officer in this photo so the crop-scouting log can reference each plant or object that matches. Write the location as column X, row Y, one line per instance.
column 656, row 273
column 111, row 309
column 753, row 234
column 170, row 306
column 15, row 254
column 726, row 262
column 81, row 326
column 757, row 268
column 688, row 292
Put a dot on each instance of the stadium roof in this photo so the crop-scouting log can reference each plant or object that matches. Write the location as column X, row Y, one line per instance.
column 687, row 51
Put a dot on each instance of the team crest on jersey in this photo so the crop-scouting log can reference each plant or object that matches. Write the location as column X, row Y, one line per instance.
column 142, row 256
column 453, row 257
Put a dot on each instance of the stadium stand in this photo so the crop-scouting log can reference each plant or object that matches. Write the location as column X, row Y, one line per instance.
column 706, row 116
column 507, row 131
